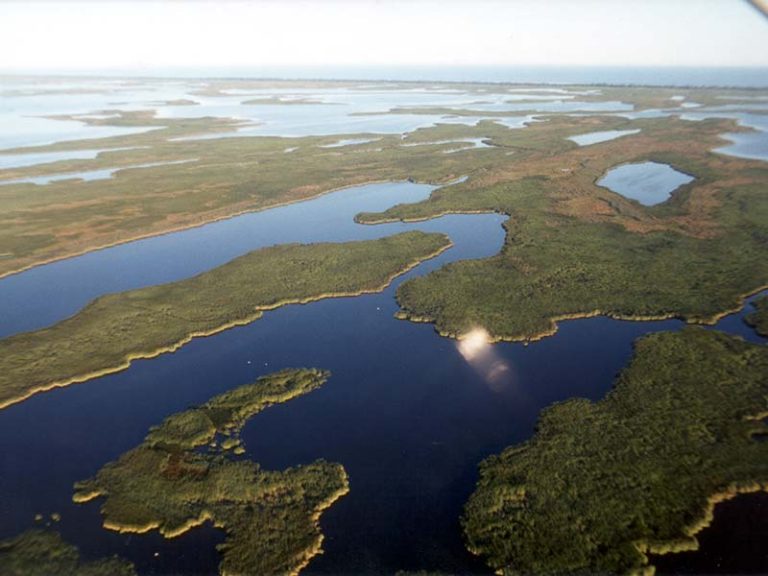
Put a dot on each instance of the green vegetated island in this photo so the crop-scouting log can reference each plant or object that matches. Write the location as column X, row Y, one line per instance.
column 758, row 319
column 184, row 474
column 604, row 484
column 573, row 249
column 600, row 486
column 114, row 329
column 44, row 553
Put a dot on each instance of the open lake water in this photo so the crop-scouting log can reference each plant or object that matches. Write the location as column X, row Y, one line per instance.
column 403, row 411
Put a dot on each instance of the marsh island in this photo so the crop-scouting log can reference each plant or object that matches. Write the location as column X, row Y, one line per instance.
column 182, row 476
column 181, row 221
column 602, row 485
column 44, row 552
column 150, row 321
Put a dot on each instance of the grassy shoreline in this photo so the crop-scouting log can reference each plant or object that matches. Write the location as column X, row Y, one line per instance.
column 203, row 223
column 556, row 320
column 182, row 476
column 115, row 329
column 574, row 250
column 601, row 485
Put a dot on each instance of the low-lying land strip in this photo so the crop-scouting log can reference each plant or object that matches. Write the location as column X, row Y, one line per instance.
column 602, row 485
column 182, row 476
column 112, row 330
column 230, row 176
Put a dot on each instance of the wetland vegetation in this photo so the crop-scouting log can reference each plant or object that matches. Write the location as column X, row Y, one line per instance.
column 601, row 485
column 233, row 175
column 114, row 329
column 573, row 249
column 183, row 475
column 229, row 176
column 759, row 318
column 45, row 553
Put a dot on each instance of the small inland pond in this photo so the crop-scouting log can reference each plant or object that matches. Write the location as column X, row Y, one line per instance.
column 647, row 182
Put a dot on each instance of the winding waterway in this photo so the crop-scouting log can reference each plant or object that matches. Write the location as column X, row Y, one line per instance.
column 45, row 294
column 403, row 411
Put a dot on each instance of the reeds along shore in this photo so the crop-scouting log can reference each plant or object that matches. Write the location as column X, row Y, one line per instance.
column 151, row 321
column 180, row 477
column 614, row 481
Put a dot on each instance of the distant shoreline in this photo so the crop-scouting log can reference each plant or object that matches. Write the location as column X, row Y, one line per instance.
column 532, row 76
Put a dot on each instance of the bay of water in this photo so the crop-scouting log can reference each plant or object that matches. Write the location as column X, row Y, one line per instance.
column 404, row 413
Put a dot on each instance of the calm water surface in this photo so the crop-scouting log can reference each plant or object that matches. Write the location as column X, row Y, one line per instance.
column 647, row 182
column 735, row 543
column 597, row 137
column 22, row 160
column 87, row 175
column 403, row 412
column 46, row 294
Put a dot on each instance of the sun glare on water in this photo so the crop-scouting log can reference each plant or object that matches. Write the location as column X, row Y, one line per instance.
column 476, row 348
column 473, row 344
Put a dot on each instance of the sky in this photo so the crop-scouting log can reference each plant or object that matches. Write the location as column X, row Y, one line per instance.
column 145, row 35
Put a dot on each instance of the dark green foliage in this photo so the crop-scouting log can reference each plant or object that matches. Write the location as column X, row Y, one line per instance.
column 44, row 553
column 113, row 329
column 226, row 176
column 574, row 249
column 226, row 413
column 555, row 267
column 558, row 266
column 171, row 484
column 601, row 483
column 759, row 318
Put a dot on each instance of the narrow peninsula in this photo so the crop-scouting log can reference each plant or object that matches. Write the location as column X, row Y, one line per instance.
column 183, row 475
column 574, row 249
column 602, row 485
column 113, row 330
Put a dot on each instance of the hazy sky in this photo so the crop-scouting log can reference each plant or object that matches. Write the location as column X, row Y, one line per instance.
column 146, row 34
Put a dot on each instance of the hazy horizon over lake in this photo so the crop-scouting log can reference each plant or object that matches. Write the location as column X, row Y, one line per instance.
column 743, row 77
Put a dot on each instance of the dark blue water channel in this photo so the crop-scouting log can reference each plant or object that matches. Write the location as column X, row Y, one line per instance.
column 404, row 413
column 49, row 293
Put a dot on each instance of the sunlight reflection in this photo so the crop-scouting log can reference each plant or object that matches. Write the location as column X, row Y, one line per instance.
column 474, row 343
column 475, row 347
